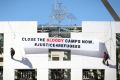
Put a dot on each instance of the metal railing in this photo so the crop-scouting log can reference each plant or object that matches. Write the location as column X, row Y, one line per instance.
column 62, row 28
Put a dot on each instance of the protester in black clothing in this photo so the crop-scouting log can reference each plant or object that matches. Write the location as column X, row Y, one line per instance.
column 12, row 52
column 105, row 59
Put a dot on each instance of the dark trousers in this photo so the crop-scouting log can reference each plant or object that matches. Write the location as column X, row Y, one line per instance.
column 104, row 62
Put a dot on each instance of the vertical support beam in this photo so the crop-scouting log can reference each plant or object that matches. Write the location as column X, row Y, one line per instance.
column 111, row 10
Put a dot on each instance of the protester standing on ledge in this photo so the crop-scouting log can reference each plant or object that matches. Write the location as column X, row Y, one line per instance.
column 12, row 52
column 105, row 59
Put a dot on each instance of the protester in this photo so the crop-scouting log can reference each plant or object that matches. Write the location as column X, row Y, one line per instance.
column 105, row 59
column 12, row 52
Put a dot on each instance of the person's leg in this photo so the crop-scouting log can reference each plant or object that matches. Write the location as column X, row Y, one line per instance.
column 107, row 63
column 11, row 56
column 103, row 61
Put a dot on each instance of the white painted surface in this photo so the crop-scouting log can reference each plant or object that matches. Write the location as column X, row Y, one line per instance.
column 99, row 30
column 10, row 28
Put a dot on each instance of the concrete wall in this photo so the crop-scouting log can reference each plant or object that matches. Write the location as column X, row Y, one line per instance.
column 10, row 28
column 103, row 31
column 108, row 29
column 18, row 26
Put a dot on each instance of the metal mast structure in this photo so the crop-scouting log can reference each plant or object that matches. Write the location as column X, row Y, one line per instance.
column 111, row 10
column 60, row 13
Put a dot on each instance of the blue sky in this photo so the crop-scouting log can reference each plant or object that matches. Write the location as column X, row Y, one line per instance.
column 40, row 10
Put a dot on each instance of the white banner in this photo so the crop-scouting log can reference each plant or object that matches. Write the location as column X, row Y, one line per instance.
column 41, row 41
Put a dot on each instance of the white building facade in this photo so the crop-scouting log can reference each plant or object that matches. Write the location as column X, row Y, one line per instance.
column 103, row 31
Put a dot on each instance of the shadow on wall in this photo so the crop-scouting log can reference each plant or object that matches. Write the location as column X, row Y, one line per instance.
column 25, row 61
column 36, row 50
column 99, row 53
column 112, row 66
column 91, row 53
